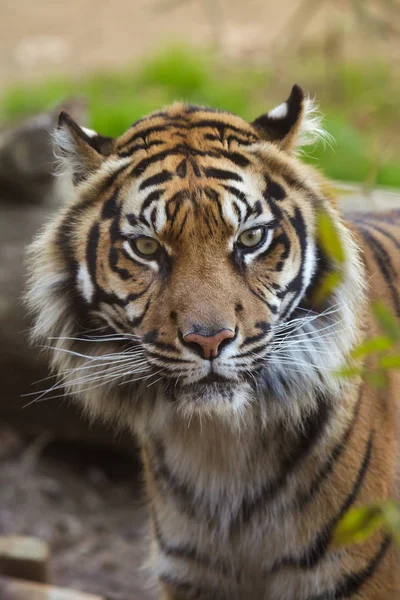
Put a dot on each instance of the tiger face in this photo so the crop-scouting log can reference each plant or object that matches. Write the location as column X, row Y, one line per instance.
column 186, row 263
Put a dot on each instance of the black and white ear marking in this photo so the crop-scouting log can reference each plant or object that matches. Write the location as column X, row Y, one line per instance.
column 80, row 151
column 295, row 122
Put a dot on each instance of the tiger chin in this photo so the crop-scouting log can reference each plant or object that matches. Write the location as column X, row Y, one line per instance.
column 175, row 293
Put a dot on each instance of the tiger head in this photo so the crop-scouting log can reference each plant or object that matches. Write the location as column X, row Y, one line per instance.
column 183, row 270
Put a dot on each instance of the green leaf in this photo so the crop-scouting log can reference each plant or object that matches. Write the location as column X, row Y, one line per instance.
column 377, row 378
column 390, row 362
column 328, row 285
column 387, row 321
column 391, row 516
column 377, row 344
column 348, row 372
column 358, row 524
column 329, row 237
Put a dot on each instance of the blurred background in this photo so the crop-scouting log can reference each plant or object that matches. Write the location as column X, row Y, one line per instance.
column 110, row 62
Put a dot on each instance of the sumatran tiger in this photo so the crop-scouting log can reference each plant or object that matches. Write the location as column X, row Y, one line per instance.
column 175, row 292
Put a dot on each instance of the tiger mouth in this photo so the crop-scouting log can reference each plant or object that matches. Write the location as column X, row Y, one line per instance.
column 214, row 378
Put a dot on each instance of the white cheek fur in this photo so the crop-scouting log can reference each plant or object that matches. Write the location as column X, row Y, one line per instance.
column 84, row 282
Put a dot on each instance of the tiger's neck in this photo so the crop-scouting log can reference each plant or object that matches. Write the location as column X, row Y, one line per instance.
column 209, row 469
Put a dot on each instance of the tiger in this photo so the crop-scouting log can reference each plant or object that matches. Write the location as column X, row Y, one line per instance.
column 175, row 293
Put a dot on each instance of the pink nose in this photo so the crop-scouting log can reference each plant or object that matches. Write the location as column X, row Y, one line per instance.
column 208, row 345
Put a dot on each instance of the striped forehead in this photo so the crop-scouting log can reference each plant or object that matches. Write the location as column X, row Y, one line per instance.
column 189, row 160
column 231, row 198
column 186, row 125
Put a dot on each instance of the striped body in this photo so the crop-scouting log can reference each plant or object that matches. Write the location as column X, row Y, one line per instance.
column 177, row 291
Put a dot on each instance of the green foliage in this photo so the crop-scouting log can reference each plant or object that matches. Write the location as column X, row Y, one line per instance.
column 387, row 321
column 382, row 347
column 330, row 242
column 359, row 523
column 362, row 111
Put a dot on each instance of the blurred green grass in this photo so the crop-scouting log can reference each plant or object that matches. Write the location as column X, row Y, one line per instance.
column 360, row 102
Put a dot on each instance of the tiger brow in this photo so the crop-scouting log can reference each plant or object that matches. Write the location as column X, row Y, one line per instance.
column 156, row 179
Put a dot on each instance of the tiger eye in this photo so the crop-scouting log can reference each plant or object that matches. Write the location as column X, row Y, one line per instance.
column 145, row 245
column 251, row 237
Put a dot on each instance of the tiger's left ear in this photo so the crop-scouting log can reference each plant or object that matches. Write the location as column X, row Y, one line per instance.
column 296, row 122
column 80, row 151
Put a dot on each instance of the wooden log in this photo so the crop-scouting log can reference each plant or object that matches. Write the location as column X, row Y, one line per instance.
column 24, row 558
column 11, row 589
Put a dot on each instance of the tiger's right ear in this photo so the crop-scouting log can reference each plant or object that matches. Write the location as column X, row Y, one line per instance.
column 80, row 151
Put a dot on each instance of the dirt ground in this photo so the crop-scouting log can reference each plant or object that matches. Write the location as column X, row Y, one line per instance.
column 87, row 504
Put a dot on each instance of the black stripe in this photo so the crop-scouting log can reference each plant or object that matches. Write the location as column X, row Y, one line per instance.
column 236, row 157
column 111, row 298
column 110, row 207
column 141, row 167
column 306, row 497
column 214, row 197
column 216, row 124
column 144, row 133
column 237, row 211
column 240, row 140
column 137, row 320
column 240, row 196
column 182, row 227
column 113, row 262
column 181, row 169
column 257, row 211
column 137, row 147
column 260, row 348
column 174, row 205
column 274, row 189
column 193, row 591
column 195, row 167
column 352, row 583
column 384, row 232
column 152, row 197
column 281, row 239
column 297, row 283
column 317, row 550
column 265, row 328
column 221, row 174
column 156, row 179
column 91, row 252
column 168, row 359
column 186, row 552
column 389, row 218
column 170, row 482
column 385, row 265
column 259, row 293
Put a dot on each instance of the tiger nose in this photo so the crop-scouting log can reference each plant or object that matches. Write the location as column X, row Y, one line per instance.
column 208, row 346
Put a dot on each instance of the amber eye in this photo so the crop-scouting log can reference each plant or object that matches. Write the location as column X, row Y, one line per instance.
column 252, row 237
column 145, row 246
